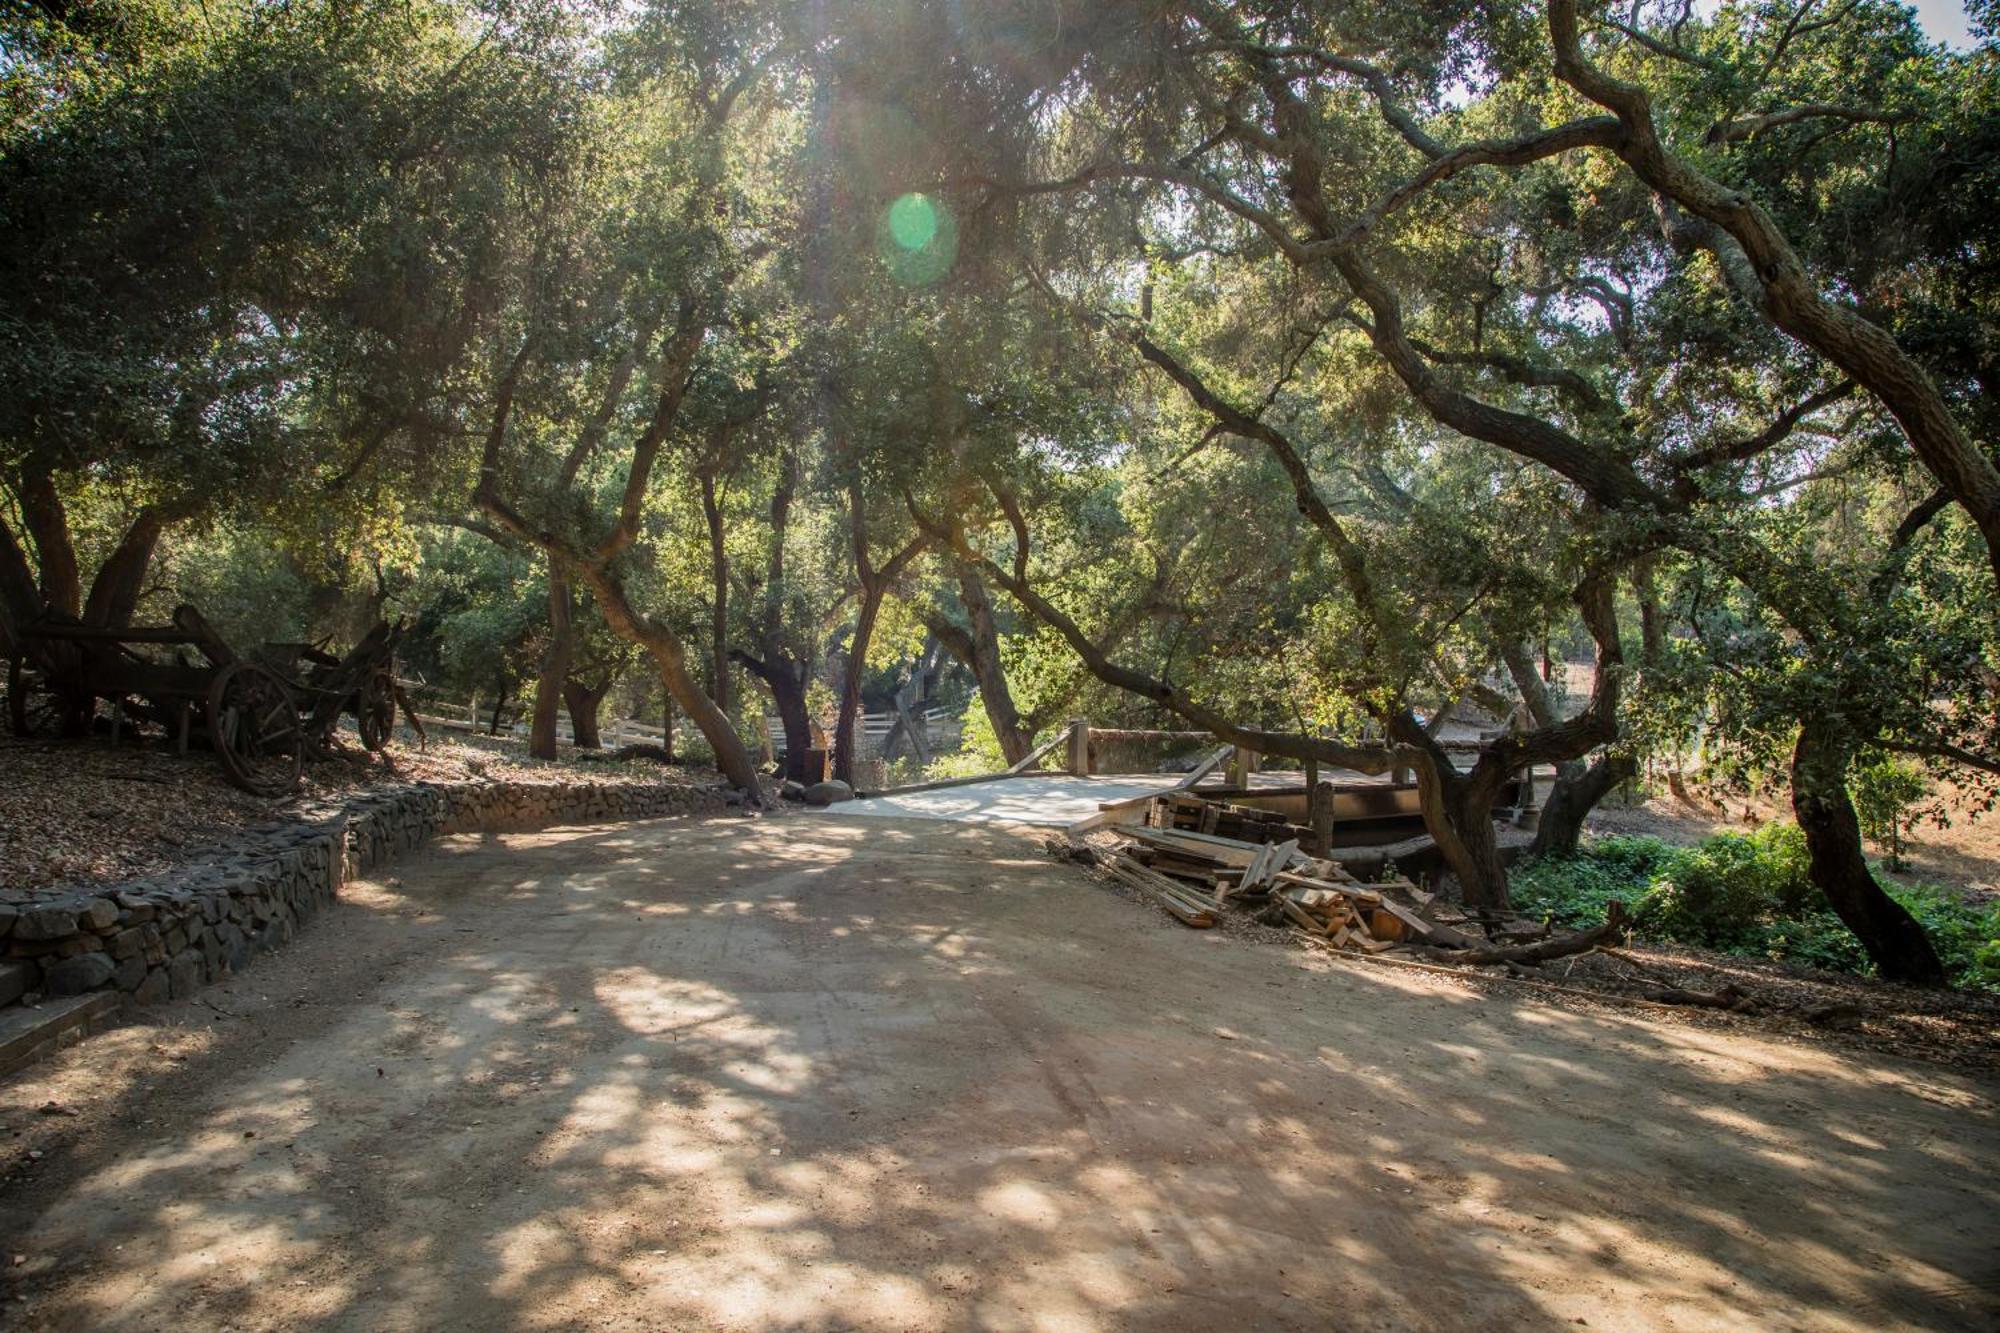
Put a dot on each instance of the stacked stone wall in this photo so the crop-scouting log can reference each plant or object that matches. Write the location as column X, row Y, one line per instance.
column 162, row 936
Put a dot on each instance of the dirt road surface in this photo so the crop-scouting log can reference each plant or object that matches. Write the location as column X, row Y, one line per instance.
column 873, row 1074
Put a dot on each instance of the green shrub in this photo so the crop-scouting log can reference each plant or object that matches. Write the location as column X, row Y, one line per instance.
column 1747, row 894
column 1574, row 892
column 1721, row 892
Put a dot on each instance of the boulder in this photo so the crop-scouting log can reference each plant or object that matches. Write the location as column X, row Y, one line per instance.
column 827, row 793
column 75, row 976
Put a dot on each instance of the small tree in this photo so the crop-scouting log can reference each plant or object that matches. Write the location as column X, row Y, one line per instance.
column 1885, row 793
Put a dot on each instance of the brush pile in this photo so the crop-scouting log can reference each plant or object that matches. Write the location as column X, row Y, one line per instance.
column 1198, row 876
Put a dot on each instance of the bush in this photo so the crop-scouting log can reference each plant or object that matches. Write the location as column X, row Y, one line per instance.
column 1749, row 895
column 1575, row 892
column 1722, row 892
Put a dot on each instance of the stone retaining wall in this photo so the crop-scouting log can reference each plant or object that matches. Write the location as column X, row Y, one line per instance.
column 161, row 937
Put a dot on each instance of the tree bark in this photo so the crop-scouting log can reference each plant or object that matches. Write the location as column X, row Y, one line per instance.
column 582, row 701
column 1458, row 814
column 1897, row 944
column 786, row 680
column 982, row 655
column 121, row 579
column 499, row 707
column 732, row 757
column 667, row 722
column 20, row 599
column 1579, row 787
column 718, row 564
column 555, row 667
column 47, row 522
column 849, row 719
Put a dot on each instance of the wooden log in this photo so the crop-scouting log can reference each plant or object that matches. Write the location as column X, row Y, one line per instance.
column 1582, row 941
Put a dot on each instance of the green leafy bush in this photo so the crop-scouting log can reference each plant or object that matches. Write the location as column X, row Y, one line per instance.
column 1749, row 895
column 1574, row 892
column 1721, row 892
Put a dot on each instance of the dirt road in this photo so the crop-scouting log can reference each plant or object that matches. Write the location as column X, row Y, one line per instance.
column 810, row 1074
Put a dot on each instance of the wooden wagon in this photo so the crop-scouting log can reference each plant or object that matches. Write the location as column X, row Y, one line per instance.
column 262, row 712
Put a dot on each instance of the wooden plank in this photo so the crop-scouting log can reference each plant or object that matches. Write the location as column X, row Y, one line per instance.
column 1037, row 753
column 1111, row 813
column 1234, row 847
column 1204, row 768
column 1348, row 889
column 1197, row 914
column 1303, row 919
column 1276, row 856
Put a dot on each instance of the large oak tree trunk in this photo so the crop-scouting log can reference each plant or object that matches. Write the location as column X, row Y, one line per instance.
column 555, row 667
column 670, row 659
column 983, row 657
column 786, row 680
column 121, row 579
column 1458, row 814
column 788, row 694
column 1578, row 789
column 20, row 600
column 718, row 564
column 1897, row 944
column 582, row 702
column 47, row 521
column 849, row 720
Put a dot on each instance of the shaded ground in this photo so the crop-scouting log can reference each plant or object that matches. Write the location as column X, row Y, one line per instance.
column 76, row 812
column 834, row 1074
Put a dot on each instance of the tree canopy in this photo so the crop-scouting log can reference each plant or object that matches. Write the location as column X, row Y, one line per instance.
column 1296, row 372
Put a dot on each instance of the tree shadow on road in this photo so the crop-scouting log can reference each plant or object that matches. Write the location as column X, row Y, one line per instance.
column 814, row 1074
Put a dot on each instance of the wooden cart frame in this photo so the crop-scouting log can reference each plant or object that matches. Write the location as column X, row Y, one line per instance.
column 261, row 713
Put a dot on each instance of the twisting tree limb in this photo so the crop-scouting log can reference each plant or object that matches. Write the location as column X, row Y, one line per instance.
column 1864, row 350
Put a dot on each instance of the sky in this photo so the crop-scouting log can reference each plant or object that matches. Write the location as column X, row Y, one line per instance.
column 1944, row 21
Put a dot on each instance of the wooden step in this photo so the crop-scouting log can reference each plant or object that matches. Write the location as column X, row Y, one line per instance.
column 27, row 1034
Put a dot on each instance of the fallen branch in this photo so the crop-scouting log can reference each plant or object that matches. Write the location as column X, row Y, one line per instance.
column 1583, row 941
column 1725, row 997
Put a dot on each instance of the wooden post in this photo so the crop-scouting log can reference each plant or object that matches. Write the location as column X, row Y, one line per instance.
column 1242, row 763
column 1319, row 817
column 1079, row 747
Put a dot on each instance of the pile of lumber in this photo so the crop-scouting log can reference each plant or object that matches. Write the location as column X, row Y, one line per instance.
column 1196, row 814
column 1196, row 876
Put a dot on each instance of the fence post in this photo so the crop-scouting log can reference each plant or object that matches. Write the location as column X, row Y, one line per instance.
column 1319, row 817
column 1242, row 763
column 1079, row 747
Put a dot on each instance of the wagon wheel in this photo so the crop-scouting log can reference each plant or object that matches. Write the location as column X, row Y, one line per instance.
column 254, row 726
column 376, row 717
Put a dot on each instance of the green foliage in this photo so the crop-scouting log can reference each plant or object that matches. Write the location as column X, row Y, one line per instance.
column 978, row 752
column 1721, row 892
column 1886, row 793
column 1747, row 895
column 1574, row 892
